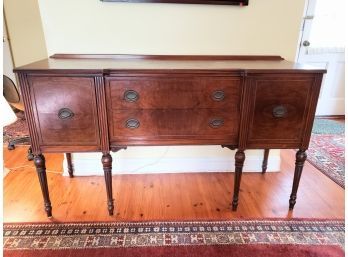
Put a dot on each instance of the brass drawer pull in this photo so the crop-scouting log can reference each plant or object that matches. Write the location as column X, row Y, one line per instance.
column 65, row 114
column 216, row 123
column 218, row 95
column 132, row 123
column 279, row 111
column 131, row 96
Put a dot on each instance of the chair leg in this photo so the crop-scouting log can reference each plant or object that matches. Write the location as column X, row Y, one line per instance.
column 30, row 155
column 265, row 160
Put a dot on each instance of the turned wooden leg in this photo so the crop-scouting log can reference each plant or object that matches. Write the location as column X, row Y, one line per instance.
column 107, row 167
column 265, row 160
column 239, row 161
column 301, row 157
column 70, row 165
column 39, row 161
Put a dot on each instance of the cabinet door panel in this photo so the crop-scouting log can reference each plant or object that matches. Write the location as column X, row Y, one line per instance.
column 279, row 110
column 66, row 110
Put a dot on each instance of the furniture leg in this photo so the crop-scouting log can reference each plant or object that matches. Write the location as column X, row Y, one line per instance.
column 265, row 160
column 107, row 167
column 239, row 162
column 30, row 155
column 301, row 157
column 39, row 161
column 70, row 165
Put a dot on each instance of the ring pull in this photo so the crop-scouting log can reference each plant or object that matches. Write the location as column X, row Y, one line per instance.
column 132, row 123
column 279, row 111
column 65, row 114
column 131, row 96
column 218, row 95
column 216, row 123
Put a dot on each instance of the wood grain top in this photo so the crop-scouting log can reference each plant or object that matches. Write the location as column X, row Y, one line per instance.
column 65, row 63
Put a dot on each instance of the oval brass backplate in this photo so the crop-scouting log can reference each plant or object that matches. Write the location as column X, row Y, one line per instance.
column 279, row 111
column 65, row 113
column 132, row 123
column 131, row 96
column 218, row 95
column 216, row 123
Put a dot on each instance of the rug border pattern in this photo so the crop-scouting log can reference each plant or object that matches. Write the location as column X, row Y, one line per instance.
column 144, row 234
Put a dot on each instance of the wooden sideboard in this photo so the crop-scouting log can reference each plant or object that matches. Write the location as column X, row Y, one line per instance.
column 103, row 103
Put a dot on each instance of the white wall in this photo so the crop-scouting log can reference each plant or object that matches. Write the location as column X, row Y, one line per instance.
column 92, row 26
column 25, row 31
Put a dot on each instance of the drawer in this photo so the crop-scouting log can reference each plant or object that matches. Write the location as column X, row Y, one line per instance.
column 136, row 126
column 173, row 93
column 65, row 110
column 279, row 110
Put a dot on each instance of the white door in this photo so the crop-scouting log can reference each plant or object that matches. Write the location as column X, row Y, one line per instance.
column 322, row 44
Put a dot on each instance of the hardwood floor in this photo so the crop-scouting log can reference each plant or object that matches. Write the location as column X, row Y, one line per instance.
column 204, row 196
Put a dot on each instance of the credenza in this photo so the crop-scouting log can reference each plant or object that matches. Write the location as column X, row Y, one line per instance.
column 103, row 103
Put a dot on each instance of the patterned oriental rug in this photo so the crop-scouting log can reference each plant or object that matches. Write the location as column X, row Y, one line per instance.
column 326, row 149
column 242, row 238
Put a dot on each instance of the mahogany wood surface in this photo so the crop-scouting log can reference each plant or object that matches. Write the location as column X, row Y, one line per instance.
column 190, row 196
column 97, row 104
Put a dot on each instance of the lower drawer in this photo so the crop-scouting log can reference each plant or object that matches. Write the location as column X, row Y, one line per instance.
column 140, row 126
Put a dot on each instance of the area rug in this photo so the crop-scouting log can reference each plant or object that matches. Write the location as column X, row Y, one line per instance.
column 326, row 149
column 242, row 238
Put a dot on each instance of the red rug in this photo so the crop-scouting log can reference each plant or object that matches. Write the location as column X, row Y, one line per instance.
column 326, row 153
column 242, row 238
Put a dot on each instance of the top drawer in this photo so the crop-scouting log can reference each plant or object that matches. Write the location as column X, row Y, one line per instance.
column 173, row 93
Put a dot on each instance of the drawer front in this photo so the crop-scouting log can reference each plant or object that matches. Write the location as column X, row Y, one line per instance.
column 142, row 126
column 66, row 110
column 280, row 108
column 175, row 93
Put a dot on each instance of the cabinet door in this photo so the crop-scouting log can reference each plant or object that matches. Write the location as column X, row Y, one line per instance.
column 65, row 110
column 280, row 110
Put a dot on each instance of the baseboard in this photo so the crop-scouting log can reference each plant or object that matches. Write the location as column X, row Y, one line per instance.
column 333, row 117
column 93, row 167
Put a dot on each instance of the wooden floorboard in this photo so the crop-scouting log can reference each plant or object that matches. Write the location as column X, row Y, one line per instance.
column 191, row 196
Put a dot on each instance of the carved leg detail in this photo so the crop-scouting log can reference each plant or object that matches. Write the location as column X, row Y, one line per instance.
column 30, row 155
column 239, row 162
column 70, row 165
column 301, row 157
column 265, row 160
column 107, row 167
column 39, row 161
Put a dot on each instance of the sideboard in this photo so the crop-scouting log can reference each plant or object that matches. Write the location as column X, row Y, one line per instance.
column 103, row 103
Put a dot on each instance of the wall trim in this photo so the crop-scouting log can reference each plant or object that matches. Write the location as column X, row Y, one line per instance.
column 92, row 166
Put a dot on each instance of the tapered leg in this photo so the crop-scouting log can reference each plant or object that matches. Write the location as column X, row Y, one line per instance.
column 239, row 162
column 107, row 167
column 301, row 157
column 39, row 161
column 265, row 160
column 70, row 165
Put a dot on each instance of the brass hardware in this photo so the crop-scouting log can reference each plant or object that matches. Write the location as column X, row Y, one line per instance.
column 131, row 96
column 132, row 123
column 218, row 95
column 216, row 123
column 279, row 111
column 65, row 114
